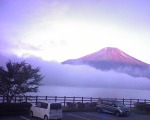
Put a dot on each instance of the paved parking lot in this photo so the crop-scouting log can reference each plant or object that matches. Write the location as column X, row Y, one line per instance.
column 84, row 116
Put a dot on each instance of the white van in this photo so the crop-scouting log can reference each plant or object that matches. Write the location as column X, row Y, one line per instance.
column 46, row 110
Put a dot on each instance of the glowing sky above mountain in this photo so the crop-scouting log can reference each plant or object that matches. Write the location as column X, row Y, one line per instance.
column 63, row 29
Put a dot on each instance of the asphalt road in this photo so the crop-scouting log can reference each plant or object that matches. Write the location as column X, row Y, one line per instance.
column 84, row 116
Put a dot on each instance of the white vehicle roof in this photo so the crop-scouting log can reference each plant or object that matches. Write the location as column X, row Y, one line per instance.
column 48, row 101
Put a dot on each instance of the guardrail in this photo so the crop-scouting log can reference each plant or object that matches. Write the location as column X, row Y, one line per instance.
column 64, row 100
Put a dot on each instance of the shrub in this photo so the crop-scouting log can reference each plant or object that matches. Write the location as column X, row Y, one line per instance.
column 142, row 106
column 80, row 105
column 14, row 108
column 90, row 106
column 70, row 105
column 147, row 107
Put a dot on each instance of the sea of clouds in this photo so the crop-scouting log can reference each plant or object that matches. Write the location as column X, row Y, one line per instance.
column 82, row 80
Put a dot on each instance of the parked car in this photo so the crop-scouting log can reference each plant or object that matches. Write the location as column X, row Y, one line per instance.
column 112, row 106
column 46, row 110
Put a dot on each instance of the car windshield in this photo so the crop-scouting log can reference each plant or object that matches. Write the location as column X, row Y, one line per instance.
column 119, row 104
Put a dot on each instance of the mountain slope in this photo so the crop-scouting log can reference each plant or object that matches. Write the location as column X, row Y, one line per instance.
column 114, row 59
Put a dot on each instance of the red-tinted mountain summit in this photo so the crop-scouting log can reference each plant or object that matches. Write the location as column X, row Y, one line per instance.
column 114, row 59
column 113, row 55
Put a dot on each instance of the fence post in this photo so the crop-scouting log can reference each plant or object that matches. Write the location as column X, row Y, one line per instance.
column 73, row 100
column 3, row 99
column 82, row 99
column 55, row 98
column 144, row 100
column 46, row 98
column 64, row 100
column 130, row 102
column 36, row 99
column 15, row 99
column 123, row 100
column 91, row 100
column 26, row 98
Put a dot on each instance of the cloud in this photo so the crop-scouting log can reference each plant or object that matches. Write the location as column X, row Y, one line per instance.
column 57, row 74
column 85, row 76
column 26, row 25
column 135, row 71
column 68, row 80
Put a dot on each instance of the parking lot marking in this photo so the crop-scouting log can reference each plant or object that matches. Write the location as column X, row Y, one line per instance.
column 24, row 118
column 101, row 116
column 78, row 117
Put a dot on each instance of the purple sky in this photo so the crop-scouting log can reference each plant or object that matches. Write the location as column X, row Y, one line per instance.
column 57, row 30
column 63, row 29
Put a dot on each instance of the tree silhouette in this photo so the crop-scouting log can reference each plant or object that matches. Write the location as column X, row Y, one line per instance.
column 18, row 79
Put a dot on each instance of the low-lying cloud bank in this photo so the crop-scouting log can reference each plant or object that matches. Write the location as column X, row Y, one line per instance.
column 85, row 76
column 57, row 74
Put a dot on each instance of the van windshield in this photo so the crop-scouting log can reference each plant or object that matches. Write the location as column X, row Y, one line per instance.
column 55, row 106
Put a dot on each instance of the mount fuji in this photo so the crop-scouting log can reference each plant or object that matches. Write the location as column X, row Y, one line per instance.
column 113, row 59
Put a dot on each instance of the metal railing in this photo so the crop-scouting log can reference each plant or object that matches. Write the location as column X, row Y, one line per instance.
column 64, row 100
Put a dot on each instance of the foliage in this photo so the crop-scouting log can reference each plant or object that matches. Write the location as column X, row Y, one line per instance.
column 79, row 106
column 14, row 108
column 142, row 106
column 71, row 105
column 18, row 79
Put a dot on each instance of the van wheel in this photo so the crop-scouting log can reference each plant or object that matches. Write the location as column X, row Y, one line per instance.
column 117, row 113
column 31, row 114
column 45, row 117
